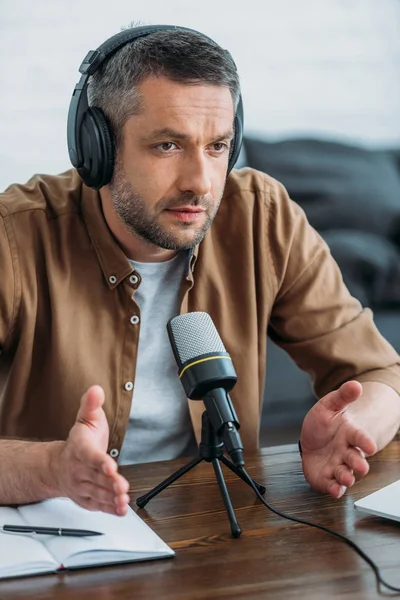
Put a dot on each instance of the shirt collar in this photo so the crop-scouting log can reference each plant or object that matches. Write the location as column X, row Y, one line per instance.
column 191, row 260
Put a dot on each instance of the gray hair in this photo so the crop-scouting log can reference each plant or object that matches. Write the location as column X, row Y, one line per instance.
column 182, row 56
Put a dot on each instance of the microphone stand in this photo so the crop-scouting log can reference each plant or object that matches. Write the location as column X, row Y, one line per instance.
column 211, row 449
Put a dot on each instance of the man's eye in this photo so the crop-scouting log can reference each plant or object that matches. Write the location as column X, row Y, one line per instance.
column 166, row 146
column 220, row 147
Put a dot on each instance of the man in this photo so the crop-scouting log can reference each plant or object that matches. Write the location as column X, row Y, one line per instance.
column 90, row 279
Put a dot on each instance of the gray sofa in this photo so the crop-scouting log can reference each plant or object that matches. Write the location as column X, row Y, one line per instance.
column 351, row 195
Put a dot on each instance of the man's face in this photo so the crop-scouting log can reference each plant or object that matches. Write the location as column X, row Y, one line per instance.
column 170, row 172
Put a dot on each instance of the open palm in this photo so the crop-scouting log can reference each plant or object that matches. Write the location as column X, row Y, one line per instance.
column 87, row 474
column 334, row 446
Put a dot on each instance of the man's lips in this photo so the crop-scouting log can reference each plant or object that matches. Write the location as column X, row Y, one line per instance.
column 187, row 209
column 187, row 214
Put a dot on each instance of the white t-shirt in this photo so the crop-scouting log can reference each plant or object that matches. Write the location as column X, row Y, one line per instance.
column 159, row 427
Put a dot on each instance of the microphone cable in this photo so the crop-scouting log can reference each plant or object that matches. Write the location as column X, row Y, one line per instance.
column 341, row 537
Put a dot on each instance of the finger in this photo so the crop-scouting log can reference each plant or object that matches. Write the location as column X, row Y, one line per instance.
column 92, row 504
column 335, row 489
column 356, row 462
column 103, row 496
column 122, row 504
column 339, row 399
column 118, row 484
column 116, row 488
column 344, row 476
column 121, row 511
column 121, row 485
column 94, row 458
column 362, row 440
column 96, row 466
column 87, row 489
column 91, row 403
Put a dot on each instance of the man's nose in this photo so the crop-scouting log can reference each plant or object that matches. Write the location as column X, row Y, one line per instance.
column 195, row 175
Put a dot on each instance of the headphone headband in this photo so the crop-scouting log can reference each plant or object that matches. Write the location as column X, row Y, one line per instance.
column 89, row 137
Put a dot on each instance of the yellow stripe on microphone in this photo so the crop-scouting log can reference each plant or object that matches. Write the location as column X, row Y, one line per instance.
column 196, row 362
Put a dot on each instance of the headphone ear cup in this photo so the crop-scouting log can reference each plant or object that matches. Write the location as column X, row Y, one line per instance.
column 97, row 149
column 238, row 138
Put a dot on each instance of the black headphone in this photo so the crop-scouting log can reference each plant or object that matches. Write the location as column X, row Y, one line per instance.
column 90, row 139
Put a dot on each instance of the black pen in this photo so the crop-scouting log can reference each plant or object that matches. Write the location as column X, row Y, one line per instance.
column 48, row 530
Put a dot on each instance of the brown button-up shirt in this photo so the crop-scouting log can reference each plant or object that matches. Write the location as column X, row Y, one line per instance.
column 66, row 304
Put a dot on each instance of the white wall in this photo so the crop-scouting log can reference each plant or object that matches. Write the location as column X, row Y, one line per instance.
column 308, row 67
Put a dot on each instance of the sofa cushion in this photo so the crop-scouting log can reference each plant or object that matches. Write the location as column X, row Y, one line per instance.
column 370, row 265
column 339, row 186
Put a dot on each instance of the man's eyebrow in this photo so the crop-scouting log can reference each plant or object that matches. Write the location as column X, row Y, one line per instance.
column 166, row 132
column 229, row 135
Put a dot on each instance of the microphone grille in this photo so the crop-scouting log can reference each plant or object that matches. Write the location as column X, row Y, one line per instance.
column 194, row 334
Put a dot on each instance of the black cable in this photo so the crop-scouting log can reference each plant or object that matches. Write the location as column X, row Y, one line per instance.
column 341, row 537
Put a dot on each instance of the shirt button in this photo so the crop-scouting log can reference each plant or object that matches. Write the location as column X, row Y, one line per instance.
column 128, row 386
column 134, row 279
column 134, row 320
column 114, row 453
column 112, row 279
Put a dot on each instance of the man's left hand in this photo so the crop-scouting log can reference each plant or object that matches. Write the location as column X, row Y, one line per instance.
column 334, row 445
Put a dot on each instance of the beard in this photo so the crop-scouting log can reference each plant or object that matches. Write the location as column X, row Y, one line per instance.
column 139, row 219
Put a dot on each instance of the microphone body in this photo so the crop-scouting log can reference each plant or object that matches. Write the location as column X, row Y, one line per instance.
column 223, row 418
column 206, row 372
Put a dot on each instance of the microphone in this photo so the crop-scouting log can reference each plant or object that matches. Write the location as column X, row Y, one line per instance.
column 207, row 373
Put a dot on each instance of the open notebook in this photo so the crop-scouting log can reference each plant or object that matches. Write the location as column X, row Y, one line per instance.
column 383, row 503
column 125, row 539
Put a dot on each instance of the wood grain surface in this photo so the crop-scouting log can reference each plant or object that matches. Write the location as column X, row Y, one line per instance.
column 274, row 558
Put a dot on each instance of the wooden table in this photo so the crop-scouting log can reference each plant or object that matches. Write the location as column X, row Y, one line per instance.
column 274, row 558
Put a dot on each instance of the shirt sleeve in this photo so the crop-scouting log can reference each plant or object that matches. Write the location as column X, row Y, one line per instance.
column 8, row 300
column 315, row 319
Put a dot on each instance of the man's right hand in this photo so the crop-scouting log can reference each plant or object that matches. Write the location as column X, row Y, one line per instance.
column 83, row 470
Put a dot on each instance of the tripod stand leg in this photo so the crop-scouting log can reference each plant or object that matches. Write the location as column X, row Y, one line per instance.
column 235, row 528
column 239, row 473
column 143, row 500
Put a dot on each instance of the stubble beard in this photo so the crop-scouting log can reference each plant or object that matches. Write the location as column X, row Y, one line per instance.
column 133, row 211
